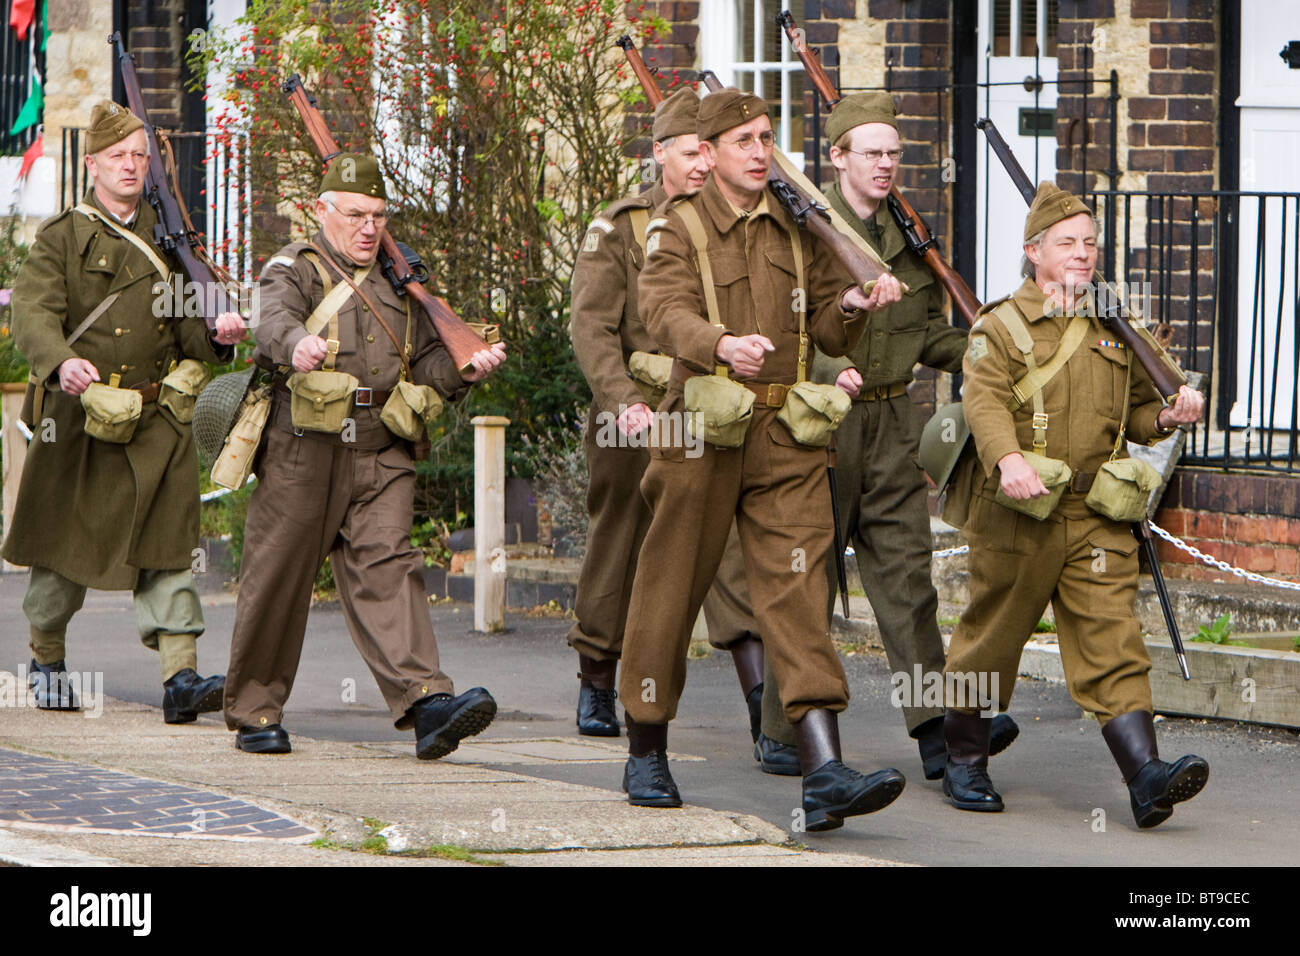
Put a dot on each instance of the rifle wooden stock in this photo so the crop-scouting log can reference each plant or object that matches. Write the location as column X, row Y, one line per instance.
column 1165, row 375
column 651, row 89
column 170, row 234
column 461, row 341
column 915, row 231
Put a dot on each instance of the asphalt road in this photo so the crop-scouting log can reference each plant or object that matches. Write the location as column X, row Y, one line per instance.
column 1058, row 779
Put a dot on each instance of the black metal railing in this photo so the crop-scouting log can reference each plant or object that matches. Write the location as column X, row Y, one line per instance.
column 1222, row 268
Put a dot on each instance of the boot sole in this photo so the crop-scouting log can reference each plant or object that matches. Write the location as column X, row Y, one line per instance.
column 469, row 720
column 1184, row 786
column 877, row 798
column 210, row 702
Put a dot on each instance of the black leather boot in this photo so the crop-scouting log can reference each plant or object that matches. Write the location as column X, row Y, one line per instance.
column 647, row 780
column 186, row 695
column 52, row 687
column 443, row 721
column 1153, row 785
column 596, row 696
column 776, row 757
column 934, row 750
column 966, row 781
column 832, row 791
column 271, row 739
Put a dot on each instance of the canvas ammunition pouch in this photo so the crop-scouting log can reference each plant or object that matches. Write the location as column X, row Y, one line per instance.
column 235, row 462
column 321, row 400
column 409, row 409
column 812, row 412
column 181, row 387
column 1055, row 475
column 111, row 412
column 651, row 373
column 1122, row 488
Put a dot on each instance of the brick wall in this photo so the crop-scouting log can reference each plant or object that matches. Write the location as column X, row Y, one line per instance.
column 1249, row 521
column 154, row 34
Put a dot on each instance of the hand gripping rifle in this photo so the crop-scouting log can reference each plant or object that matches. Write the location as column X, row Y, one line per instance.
column 1154, row 359
column 406, row 275
column 809, row 214
column 915, row 232
column 172, row 233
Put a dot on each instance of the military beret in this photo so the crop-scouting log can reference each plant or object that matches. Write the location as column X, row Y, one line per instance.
column 1051, row 205
column 677, row 115
column 726, row 109
column 875, row 107
column 354, row 173
column 110, row 123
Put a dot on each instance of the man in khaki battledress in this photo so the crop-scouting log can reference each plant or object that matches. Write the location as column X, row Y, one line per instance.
column 774, row 488
column 348, row 494
column 882, row 490
column 607, row 332
column 121, row 511
column 1084, row 563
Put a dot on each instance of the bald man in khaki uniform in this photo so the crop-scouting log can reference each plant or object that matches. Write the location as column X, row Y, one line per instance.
column 1084, row 563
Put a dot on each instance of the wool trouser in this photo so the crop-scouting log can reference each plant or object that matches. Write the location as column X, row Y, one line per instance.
column 1087, row 567
column 777, row 493
column 884, row 515
column 166, row 602
column 318, row 498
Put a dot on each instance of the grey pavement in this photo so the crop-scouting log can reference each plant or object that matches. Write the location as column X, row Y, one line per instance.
column 530, row 784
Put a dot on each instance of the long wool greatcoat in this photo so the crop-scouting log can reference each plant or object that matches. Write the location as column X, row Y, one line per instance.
column 97, row 512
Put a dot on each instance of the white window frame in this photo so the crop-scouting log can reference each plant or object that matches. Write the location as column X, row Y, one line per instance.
column 718, row 53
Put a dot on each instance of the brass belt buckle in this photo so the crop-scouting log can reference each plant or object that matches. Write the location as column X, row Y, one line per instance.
column 357, row 399
column 1040, row 420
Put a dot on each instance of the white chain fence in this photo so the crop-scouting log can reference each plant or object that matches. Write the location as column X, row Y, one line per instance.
column 1182, row 546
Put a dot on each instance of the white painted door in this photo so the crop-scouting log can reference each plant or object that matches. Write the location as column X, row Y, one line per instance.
column 1270, row 163
column 1020, row 97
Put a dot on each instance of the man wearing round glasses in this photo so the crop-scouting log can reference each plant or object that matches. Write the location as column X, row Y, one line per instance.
column 882, row 489
column 747, row 319
column 348, row 493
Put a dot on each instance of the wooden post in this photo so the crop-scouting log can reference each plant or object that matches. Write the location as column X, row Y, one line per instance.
column 13, row 447
column 490, row 522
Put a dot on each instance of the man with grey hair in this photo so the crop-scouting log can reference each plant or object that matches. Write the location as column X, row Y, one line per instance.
column 1047, row 384
column 343, row 487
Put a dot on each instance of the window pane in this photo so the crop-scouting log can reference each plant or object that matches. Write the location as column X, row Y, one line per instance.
column 1001, row 27
column 1028, row 26
column 1053, row 23
column 745, row 31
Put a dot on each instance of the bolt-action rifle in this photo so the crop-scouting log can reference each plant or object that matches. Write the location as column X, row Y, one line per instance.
column 915, row 232
column 1166, row 376
column 173, row 232
column 461, row 341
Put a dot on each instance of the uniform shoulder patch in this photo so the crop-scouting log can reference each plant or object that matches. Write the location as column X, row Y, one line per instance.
column 979, row 347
